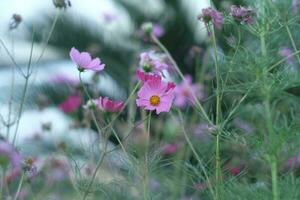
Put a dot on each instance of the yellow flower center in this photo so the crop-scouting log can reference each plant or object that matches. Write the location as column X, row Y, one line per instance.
column 154, row 100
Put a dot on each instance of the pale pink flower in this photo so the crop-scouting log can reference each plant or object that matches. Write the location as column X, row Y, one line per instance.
column 211, row 15
column 109, row 105
column 152, row 62
column 170, row 148
column 158, row 30
column 287, row 53
column 84, row 61
column 185, row 92
column 156, row 95
column 70, row 104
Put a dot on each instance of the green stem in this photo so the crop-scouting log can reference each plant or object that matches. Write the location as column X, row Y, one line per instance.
column 274, row 172
column 19, row 187
column 218, row 112
column 293, row 42
column 146, row 172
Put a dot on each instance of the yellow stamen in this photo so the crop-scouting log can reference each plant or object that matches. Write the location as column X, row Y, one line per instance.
column 154, row 100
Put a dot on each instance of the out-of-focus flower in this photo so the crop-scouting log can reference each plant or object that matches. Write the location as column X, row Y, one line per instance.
column 10, row 156
column 91, row 104
column 84, row 61
column 185, row 92
column 109, row 105
column 203, row 131
column 170, row 148
column 15, row 21
column 58, row 170
column 235, row 170
column 151, row 62
column 286, row 52
column 158, row 30
column 243, row 125
column 293, row 162
column 70, row 104
column 295, row 6
column 211, row 15
column 29, row 167
column 146, row 76
column 156, row 95
column 109, row 16
column 62, row 3
column 242, row 15
column 63, row 79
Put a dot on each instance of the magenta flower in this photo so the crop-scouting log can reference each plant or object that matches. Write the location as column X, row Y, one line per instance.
column 242, row 15
column 109, row 105
column 70, row 104
column 211, row 15
column 170, row 148
column 293, row 162
column 185, row 92
column 156, row 95
column 144, row 77
column 84, row 61
column 286, row 52
column 152, row 62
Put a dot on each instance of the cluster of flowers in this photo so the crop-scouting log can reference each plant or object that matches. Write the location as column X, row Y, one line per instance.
column 155, row 93
column 240, row 14
column 85, row 62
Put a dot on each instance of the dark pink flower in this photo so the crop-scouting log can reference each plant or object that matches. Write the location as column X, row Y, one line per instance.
column 170, row 148
column 70, row 104
column 211, row 15
column 84, row 61
column 156, row 95
column 147, row 76
column 185, row 92
column 109, row 105
column 242, row 15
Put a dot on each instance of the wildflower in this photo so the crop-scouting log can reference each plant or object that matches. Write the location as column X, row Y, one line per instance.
column 109, row 105
column 286, row 52
column 295, row 5
column 158, row 30
column 10, row 156
column 146, row 76
column 170, row 148
column 70, row 104
column 211, row 15
column 29, row 167
column 84, row 61
column 153, row 62
column 293, row 162
column 242, row 15
column 15, row 21
column 62, row 3
column 91, row 104
column 185, row 92
column 156, row 95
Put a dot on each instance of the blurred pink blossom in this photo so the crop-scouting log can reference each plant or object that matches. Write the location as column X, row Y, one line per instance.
column 170, row 148
column 109, row 105
column 70, row 104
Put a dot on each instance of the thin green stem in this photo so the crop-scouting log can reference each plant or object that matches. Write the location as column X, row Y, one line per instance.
column 274, row 172
column 196, row 155
column 146, row 169
column 293, row 42
column 218, row 112
column 283, row 60
column 19, row 187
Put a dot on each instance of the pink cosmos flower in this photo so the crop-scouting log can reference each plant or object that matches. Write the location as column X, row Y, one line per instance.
column 242, row 15
column 156, row 95
column 158, row 30
column 185, row 92
column 70, row 104
column 147, row 76
column 152, row 62
column 84, row 61
column 109, row 105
